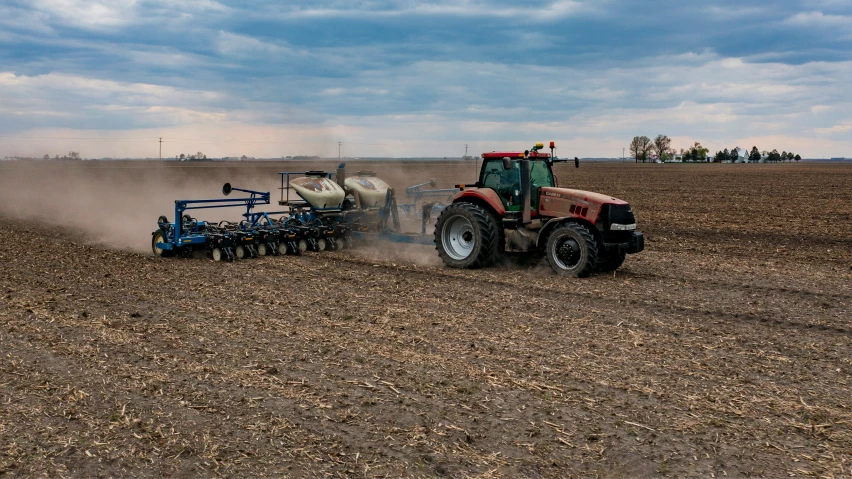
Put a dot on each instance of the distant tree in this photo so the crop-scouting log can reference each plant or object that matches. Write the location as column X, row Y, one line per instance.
column 56, row 157
column 698, row 152
column 182, row 156
column 784, row 155
column 73, row 155
column 790, row 156
column 686, row 155
column 797, row 158
column 662, row 145
column 243, row 158
column 728, row 155
column 639, row 148
column 46, row 157
column 774, row 156
column 754, row 157
column 720, row 156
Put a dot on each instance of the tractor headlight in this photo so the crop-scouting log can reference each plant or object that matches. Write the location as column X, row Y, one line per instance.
column 618, row 227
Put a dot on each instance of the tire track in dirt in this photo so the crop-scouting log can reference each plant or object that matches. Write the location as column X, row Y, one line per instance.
column 650, row 305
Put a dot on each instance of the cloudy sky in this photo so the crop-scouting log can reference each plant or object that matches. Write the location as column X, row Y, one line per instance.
column 407, row 78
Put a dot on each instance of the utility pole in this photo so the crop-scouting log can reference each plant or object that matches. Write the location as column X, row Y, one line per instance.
column 622, row 155
column 339, row 143
column 161, row 148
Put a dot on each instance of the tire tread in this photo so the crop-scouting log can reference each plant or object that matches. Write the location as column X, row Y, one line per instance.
column 591, row 244
column 487, row 225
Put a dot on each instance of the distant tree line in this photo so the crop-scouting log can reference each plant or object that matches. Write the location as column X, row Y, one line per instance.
column 642, row 148
column 72, row 155
column 756, row 155
column 193, row 157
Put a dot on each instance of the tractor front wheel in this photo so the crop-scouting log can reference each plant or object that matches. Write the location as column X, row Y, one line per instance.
column 466, row 236
column 610, row 261
column 571, row 250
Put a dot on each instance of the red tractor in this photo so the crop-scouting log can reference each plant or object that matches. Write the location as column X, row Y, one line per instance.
column 516, row 207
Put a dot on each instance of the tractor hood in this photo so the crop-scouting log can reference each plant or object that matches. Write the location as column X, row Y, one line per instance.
column 587, row 196
column 564, row 202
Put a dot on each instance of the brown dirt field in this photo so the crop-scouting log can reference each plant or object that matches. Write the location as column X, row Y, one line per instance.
column 722, row 350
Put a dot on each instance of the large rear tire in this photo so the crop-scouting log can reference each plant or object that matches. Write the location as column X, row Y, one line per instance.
column 571, row 250
column 159, row 237
column 466, row 236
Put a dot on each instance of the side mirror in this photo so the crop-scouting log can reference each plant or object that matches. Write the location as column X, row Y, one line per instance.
column 576, row 162
column 507, row 164
column 226, row 189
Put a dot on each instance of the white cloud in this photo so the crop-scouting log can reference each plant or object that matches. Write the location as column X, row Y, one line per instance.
column 844, row 127
column 89, row 14
column 110, row 15
column 70, row 96
column 819, row 19
column 463, row 8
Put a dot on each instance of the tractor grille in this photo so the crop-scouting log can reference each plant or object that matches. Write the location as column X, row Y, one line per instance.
column 620, row 214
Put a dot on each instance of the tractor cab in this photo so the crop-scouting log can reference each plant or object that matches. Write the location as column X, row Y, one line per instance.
column 506, row 182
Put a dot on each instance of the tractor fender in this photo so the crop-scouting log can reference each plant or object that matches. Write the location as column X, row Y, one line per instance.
column 485, row 197
column 554, row 222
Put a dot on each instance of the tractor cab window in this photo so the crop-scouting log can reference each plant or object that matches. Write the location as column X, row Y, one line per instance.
column 507, row 183
column 540, row 175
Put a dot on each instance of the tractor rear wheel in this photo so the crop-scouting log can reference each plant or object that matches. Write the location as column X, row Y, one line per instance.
column 466, row 236
column 610, row 261
column 159, row 237
column 571, row 250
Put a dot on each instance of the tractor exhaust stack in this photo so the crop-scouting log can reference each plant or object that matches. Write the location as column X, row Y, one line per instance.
column 525, row 192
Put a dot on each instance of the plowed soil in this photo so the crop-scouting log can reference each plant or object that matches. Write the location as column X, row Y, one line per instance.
column 724, row 349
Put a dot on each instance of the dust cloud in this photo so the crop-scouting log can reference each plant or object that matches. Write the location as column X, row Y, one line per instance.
column 116, row 204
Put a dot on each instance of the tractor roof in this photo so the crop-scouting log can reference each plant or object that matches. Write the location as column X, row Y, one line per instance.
column 515, row 154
